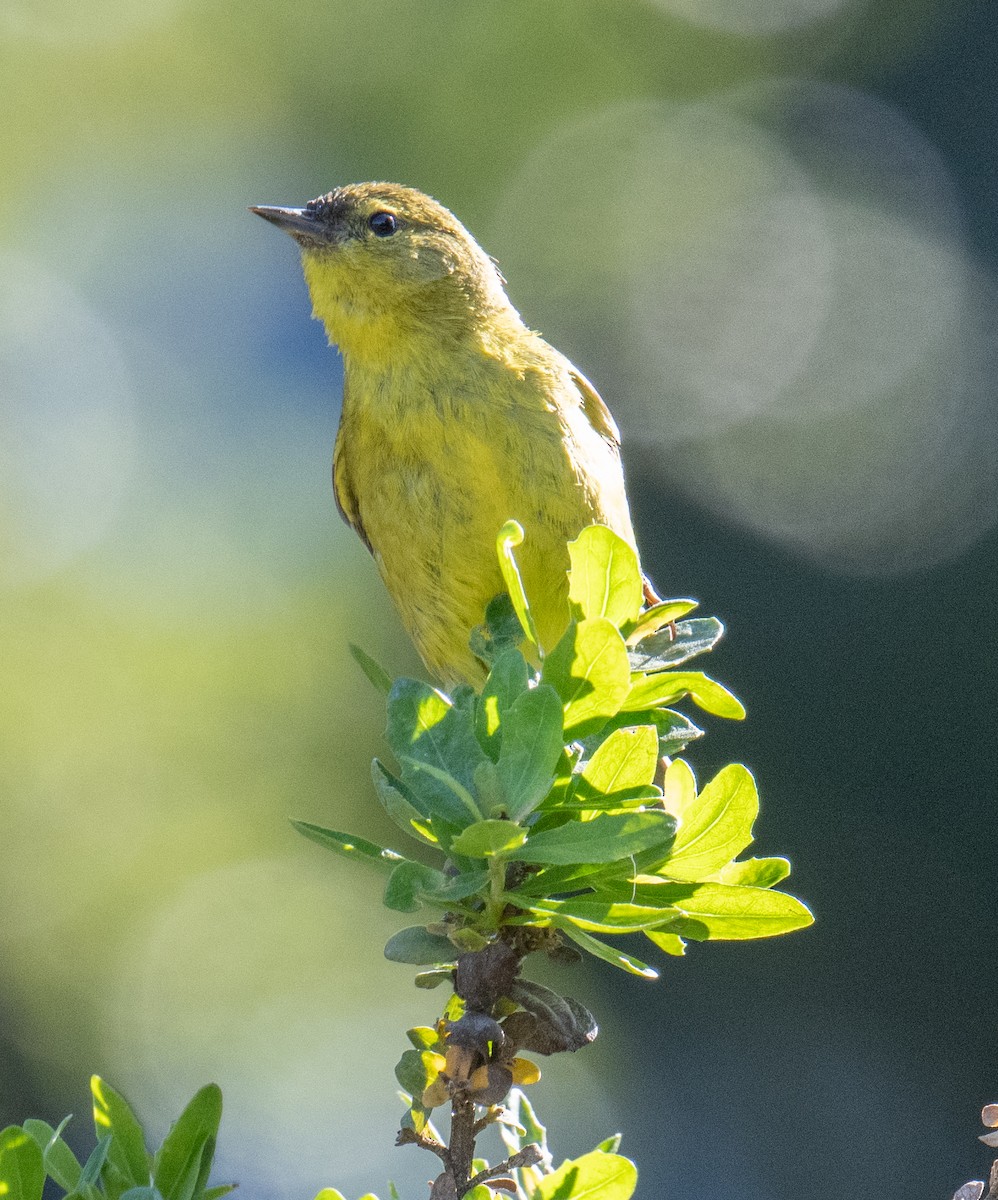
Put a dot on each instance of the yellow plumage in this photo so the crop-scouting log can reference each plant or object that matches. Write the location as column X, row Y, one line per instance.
column 456, row 417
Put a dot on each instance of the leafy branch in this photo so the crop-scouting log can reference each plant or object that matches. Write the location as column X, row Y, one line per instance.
column 560, row 817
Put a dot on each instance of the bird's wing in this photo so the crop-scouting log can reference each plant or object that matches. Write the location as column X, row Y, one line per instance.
column 597, row 413
column 343, row 492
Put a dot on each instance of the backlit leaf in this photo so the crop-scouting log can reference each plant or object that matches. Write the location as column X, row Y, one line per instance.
column 594, row 1176
column 590, row 671
column 486, row 838
column 721, row 911
column 511, row 536
column 605, row 916
column 623, row 766
column 715, row 827
column 666, row 612
column 650, row 691
column 755, row 872
column 604, row 579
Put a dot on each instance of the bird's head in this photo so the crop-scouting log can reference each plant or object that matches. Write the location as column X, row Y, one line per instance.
column 382, row 260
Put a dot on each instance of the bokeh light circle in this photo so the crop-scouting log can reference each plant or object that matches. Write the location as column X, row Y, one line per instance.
column 773, row 290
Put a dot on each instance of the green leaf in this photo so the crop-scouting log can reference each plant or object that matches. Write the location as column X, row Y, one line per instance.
column 671, row 943
column 604, row 579
column 434, row 741
column 216, row 1193
column 374, row 671
column 755, row 872
column 508, row 679
column 486, row 838
column 183, row 1162
column 555, row 880
column 22, row 1175
column 511, row 536
column 662, row 651
column 675, row 730
column 458, row 887
column 525, row 1129
column 720, row 911
column 57, row 1158
column 595, row 1176
column 598, row 949
column 94, row 1164
column 408, row 885
column 357, row 848
column 416, row 945
column 400, row 803
column 416, row 1070
column 651, row 691
column 432, row 979
column 715, row 827
column 491, row 797
column 150, row 1193
column 501, row 630
column 604, row 839
column 112, row 1115
column 423, row 1037
column 532, row 744
column 622, row 768
column 605, row 916
column 590, row 671
column 666, row 612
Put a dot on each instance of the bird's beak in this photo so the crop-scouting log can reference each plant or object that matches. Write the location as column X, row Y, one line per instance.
column 305, row 227
column 291, row 220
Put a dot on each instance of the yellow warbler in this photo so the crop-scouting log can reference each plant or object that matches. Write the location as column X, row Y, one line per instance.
column 456, row 417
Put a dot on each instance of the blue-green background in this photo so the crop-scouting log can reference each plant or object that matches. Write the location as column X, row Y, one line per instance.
column 767, row 231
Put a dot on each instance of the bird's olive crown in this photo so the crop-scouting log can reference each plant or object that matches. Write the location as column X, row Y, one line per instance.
column 382, row 210
column 396, row 236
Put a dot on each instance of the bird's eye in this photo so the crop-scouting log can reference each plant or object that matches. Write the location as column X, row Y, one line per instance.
column 383, row 224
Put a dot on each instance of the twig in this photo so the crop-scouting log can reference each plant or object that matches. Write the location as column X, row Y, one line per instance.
column 529, row 1156
column 409, row 1137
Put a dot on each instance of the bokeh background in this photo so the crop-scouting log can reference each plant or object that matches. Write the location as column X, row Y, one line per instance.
column 767, row 230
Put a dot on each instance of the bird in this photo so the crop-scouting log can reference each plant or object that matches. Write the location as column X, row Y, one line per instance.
column 456, row 418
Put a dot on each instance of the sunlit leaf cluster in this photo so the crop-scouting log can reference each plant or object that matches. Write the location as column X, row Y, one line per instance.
column 553, row 796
